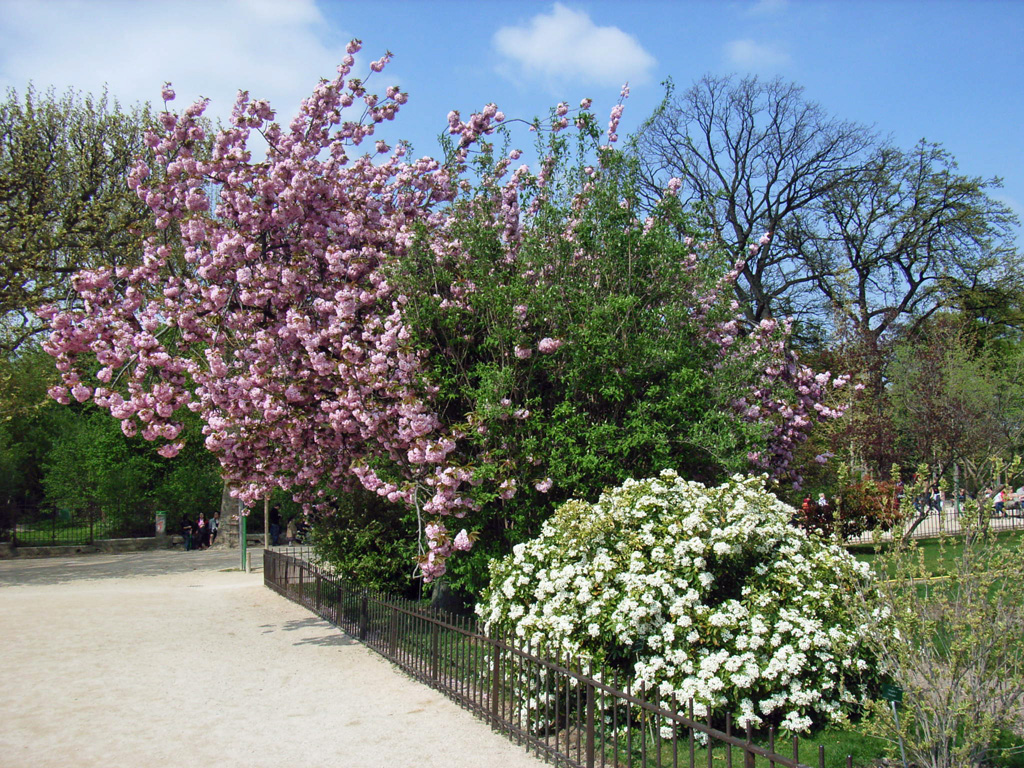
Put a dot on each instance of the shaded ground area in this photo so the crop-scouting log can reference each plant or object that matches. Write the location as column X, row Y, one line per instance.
column 184, row 659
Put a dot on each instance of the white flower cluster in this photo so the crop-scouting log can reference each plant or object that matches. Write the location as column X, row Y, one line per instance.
column 699, row 593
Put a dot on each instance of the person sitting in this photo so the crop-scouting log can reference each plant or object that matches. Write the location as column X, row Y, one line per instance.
column 203, row 531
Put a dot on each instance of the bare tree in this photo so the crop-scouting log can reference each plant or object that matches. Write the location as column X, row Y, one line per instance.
column 751, row 154
column 899, row 239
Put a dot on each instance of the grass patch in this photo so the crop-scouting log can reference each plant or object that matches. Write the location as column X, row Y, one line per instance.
column 939, row 555
column 865, row 751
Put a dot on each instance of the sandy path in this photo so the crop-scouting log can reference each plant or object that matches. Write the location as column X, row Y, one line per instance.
column 166, row 659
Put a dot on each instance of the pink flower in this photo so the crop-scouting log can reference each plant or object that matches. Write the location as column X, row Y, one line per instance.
column 462, row 542
column 81, row 392
column 549, row 345
column 523, row 353
column 167, row 94
column 170, row 450
column 544, row 485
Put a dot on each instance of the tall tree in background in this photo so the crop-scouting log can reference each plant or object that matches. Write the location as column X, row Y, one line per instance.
column 750, row 154
column 65, row 204
column 899, row 240
column 903, row 238
column 953, row 402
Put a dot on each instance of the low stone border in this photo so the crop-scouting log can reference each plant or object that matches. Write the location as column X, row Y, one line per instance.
column 100, row 546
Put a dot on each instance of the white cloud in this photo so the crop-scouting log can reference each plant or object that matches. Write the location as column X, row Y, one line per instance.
column 566, row 45
column 205, row 47
column 757, row 57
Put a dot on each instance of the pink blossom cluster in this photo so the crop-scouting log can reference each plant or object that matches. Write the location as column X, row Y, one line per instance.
column 789, row 397
column 441, row 545
column 276, row 322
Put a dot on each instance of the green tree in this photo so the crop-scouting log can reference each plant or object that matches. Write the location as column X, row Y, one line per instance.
column 902, row 238
column 626, row 377
column 953, row 402
column 64, row 198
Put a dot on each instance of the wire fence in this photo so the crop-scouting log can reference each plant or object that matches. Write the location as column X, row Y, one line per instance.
column 565, row 711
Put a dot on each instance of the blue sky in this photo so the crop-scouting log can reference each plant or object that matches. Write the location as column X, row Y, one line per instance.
column 950, row 72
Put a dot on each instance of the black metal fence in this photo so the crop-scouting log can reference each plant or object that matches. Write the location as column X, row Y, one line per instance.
column 565, row 713
column 29, row 525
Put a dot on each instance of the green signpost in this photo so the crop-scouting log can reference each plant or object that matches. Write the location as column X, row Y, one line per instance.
column 894, row 695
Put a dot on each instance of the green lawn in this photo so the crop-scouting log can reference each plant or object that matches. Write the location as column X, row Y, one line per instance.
column 939, row 554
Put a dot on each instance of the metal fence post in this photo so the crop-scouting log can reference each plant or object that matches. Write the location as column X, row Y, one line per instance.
column 590, row 718
column 434, row 660
column 363, row 616
column 495, row 679
column 393, row 632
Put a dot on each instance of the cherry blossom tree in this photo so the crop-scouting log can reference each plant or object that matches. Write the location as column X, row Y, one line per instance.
column 281, row 331
column 296, row 323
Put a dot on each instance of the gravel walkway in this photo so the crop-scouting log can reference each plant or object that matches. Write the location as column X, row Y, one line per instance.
column 180, row 659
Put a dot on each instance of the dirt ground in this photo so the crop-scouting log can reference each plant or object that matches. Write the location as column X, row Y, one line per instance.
column 181, row 659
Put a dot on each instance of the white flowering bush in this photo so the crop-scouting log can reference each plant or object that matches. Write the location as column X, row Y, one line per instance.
column 698, row 593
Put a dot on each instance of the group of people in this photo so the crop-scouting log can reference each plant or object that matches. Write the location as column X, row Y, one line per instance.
column 1005, row 498
column 294, row 532
column 201, row 533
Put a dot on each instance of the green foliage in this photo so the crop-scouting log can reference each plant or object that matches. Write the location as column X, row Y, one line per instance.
column 91, row 463
column 631, row 389
column 953, row 401
column 366, row 540
column 64, row 197
column 955, row 645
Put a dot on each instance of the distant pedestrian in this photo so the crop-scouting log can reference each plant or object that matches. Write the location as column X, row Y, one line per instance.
column 1000, row 499
column 186, row 532
column 291, row 532
column 275, row 525
column 214, row 527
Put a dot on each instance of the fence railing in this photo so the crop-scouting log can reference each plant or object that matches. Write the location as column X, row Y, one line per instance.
column 930, row 523
column 30, row 525
column 554, row 706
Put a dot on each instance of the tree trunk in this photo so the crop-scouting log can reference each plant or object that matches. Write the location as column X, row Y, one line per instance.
column 228, row 535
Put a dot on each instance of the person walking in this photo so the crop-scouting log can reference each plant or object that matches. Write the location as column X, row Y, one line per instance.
column 186, row 532
column 214, row 527
column 275, row 525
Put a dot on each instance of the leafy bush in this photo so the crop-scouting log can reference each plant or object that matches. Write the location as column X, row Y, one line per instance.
column 363, row 539
column 954, row 644
column 862, row 505
column 698, row 593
